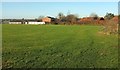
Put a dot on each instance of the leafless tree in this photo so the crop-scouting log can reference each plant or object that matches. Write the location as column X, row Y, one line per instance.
column 71, row 18
column 40, row 17
column 94, row 15
column 60, row 15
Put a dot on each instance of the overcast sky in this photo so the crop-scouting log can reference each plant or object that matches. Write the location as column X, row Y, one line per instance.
column 36, row 9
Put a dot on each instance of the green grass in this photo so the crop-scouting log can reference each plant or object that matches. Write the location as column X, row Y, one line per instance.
column 58, row 46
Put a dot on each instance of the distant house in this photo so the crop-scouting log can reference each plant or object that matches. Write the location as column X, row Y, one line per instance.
column 100, row 21
column 46, row 19
column 15, row 22
column 26, row 21
column 91, row 20
column 101, row 18
column 53, row 20
column 86, row 19
column 33, row 21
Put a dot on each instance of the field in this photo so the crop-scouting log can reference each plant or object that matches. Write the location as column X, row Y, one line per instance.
column 58, row 46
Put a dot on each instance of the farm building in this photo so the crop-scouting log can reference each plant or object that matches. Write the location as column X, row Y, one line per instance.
column 33, row 21
column 87, row 19
column 92, row 20
column 27, row 21
column 101, row 18
column 46, row 19
column 101, row 21
column 15, row 22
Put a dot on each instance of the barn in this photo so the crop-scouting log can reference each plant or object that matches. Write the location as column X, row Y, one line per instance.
column 15, row 22
column 33, row 21
column 46, row 19
column 26, row 21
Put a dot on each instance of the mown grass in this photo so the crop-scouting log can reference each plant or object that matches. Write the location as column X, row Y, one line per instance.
column 58, row 46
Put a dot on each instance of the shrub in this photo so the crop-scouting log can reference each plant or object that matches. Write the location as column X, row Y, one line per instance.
column 111, row 27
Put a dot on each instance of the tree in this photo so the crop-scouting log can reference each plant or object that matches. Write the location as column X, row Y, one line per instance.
column 40, row 17
column 71, row 18
column 23, row 21
column 110, row 27
column 61, row 16
column 109, row 16
column 94, row 15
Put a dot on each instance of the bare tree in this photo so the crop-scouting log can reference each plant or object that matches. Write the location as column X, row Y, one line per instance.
column 94, row 15
column 40, row 17
column 71, row 18
column 111, row 26
column 61, row 15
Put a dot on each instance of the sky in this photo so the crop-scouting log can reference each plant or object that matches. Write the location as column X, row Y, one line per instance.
column 59, row 0
column 31, row 10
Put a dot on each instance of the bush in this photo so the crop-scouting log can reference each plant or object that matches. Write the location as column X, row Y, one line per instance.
column 111, row 27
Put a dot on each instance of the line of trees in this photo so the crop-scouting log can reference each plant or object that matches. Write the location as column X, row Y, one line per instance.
column 69, row 19
column 109, row 25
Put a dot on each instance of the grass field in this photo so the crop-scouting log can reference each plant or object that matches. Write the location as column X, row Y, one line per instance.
column 58, row 46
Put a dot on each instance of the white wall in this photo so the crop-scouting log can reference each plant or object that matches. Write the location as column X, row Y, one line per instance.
column 35, row 23
column 27, row 22
column 14, row 22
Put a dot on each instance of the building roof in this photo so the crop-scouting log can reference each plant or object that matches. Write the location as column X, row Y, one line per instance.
column 86, row 19
column 15, row 20
column 46, row 19
column 27, row 20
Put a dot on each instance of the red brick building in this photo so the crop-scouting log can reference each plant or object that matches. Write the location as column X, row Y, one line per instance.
column 46, row 19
